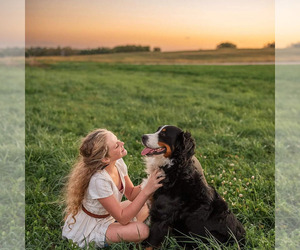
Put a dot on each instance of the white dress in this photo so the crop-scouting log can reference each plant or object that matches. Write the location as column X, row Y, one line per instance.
column 86, row 228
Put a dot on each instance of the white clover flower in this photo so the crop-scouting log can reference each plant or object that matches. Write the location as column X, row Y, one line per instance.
column 231, row 164
column 230, row 183
column 247, row 183
column 220, row 175
column 223, row 182
column 241, row 195
column 234, row 179
column 252, row 177
column 224, row 171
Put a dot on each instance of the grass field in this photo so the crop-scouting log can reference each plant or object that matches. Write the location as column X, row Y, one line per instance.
column 287, row 157
column 222, row 56
column 12, row 160
column 228, row 109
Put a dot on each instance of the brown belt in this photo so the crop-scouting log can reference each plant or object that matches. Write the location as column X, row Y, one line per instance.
column 97, row 216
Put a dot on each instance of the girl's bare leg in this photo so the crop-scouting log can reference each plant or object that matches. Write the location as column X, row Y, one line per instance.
column 133, row 231
column 142, row 215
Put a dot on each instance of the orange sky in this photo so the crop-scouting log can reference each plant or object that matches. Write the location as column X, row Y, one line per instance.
column 168, row 24
column 287, row 22
column 12, row 24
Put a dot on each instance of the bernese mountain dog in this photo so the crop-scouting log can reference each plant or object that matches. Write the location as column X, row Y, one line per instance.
column 185, row 205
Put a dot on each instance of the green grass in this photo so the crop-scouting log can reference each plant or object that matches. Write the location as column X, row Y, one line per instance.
column 227, row 56
column 12, row 140
column 228, row 109
column 287, row 157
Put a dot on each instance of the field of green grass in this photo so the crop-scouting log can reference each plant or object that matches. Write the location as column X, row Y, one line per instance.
column 220, row 56
column 287, row 157
column 12, row 147
column 228, row 109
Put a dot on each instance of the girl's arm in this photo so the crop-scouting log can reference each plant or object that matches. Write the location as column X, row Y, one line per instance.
column 131, row 191
column 125, row 215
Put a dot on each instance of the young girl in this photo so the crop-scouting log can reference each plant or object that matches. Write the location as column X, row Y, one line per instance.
column 96, row 185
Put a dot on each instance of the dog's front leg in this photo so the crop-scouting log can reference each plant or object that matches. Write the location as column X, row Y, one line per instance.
column 158, row 231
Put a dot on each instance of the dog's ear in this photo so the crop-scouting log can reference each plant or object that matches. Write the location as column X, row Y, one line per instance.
column 189, row 143
column 185, row 145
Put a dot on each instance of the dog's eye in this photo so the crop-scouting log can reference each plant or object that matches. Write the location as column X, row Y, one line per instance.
column 163, row 132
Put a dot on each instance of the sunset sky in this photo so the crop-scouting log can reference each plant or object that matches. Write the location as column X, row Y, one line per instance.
column 169, row 24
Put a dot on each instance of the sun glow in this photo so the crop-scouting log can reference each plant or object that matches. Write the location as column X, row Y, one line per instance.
column 171, row 25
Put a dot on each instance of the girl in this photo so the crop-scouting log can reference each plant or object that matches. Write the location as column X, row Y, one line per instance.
column 94, row 191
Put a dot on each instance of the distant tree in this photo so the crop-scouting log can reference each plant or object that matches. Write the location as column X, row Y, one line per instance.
column 39, row 51
column 156, row 49
column 270, row 45
column 131, row 48
column 68, row 51
column 100, row 50
column 12, row 51
column 295, row 45
column 226, row 45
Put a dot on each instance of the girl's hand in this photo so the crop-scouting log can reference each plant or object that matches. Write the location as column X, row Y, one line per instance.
column 154, row 182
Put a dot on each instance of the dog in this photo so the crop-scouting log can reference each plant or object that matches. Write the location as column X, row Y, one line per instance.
column 185, row 205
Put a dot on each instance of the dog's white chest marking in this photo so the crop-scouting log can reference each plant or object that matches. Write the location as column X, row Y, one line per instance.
column 153, row 163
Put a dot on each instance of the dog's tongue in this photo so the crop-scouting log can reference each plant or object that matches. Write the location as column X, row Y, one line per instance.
column 146, row 151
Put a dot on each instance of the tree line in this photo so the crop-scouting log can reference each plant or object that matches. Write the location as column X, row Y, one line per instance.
column 230, row 45
column 68, row 51
column 14, row 51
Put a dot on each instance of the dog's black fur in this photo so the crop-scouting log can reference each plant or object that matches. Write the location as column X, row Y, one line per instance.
column 186, row 205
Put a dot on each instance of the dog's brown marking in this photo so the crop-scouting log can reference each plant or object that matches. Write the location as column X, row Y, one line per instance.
column 168, row 151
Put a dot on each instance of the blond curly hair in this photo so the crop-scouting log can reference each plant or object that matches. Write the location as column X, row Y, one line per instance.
column 92, row 150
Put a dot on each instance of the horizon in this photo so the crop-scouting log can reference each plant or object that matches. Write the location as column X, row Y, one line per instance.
column 151, row 48
column 143, row 45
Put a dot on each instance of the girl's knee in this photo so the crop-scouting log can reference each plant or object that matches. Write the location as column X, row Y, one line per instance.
column 143, row 231
column 143, row 214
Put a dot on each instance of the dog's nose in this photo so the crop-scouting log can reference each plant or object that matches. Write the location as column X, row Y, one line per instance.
column 144, row 139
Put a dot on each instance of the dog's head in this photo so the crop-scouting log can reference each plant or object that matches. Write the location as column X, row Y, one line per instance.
column 170, row 142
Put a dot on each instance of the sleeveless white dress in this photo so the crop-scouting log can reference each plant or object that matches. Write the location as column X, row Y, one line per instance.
column 87, row 229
